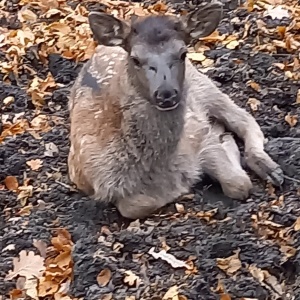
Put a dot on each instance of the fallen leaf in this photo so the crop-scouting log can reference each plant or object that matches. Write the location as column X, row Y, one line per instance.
column 225, row 297
column 131, row 279
column 277, row 12
column 179, row 207
column 232, row 45
column 254, row 85
column 298, row 97
column 288, row 251
column 104, row 277
column 11, row 183
column 297, row 224
column 254, row 103
column 16, row 294
column 171, row 294
column 35, row 164
column 30, row 288
column 50, row 149
column 194, row 56
column 26, row 210
column 8, row 100
column 292, row 120
column 169, row 258
column 9, row 247
column 231, row 264
column 266, row 279
column 28, row 265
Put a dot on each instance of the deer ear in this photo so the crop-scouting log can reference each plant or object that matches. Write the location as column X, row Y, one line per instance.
column 108, row 30
column 204, row 20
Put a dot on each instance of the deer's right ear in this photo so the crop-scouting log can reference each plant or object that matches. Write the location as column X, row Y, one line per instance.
column 108, row 30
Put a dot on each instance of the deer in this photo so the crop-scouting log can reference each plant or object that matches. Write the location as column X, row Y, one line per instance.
column 146, row 124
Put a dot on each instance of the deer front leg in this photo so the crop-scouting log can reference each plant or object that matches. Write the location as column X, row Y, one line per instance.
column 244, row 125
column 237, row 120
column 220, row 158
column 139, row 206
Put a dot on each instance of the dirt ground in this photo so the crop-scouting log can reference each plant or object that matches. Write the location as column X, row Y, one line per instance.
column 237, row 250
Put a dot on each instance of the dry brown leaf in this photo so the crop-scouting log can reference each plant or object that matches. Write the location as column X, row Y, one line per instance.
column 27, row 15
column 254, row 103
column 131, row 279
column 266, row 280
column 171, row 294
column 225, row 297
column 41, row 246
column 26, row 210
column 8, row 100
column 254, row 85
column 207, row 215
column 30, row 288
column 62, row 241
column 104, row 277
column 11, row 183
column 288, row 251
column 17, row 294
column 297, row 224
column 25, row 192
column 35, row 164
column 298, row 97
column 179, row 207
column 28, row 265
column 194, row 56
column 292, row 120
column 232, row 45
column 47, row 286
column 231, row 264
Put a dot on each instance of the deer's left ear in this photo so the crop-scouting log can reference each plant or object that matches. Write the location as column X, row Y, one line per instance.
column 108, row 30
column 203, row 21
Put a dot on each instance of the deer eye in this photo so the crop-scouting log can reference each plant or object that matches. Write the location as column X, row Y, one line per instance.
column 183, row 56
column 136, row 62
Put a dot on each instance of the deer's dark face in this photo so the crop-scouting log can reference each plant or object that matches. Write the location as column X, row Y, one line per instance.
column 156, row 47
column 156, row 60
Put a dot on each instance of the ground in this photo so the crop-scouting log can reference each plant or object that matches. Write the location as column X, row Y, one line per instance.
column 218, row 248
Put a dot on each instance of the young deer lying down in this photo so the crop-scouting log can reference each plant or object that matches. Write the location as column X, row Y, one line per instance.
column 141, row 129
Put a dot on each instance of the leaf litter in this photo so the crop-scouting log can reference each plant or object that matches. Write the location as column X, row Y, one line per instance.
column 70, row 37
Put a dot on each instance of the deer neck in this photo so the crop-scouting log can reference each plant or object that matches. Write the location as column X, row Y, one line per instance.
column 147, row 127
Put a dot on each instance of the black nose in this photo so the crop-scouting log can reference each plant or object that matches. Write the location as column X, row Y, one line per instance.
column 166, row 99
column 165, row 95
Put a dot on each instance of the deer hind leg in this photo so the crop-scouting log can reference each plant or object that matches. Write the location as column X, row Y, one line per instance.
column 139, row 206
column 220, row 158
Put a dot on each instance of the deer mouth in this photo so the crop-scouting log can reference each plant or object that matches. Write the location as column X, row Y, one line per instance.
column 168, row 107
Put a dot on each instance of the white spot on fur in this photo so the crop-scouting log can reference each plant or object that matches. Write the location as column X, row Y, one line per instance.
column 105, row 58
column 97, row 114
column 111, row 72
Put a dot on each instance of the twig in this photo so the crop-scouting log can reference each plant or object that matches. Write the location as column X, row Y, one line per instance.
column 292, row 179
column 66, row 186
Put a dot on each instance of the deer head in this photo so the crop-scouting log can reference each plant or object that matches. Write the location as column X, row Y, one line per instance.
column 157, row 48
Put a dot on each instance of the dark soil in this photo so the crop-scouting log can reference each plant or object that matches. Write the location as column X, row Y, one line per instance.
column 186, row 236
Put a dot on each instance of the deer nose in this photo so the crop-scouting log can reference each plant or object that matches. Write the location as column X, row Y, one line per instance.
column 166, row 98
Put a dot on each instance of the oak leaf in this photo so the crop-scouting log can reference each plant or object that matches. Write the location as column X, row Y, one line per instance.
column 28, row 265
column 35, row 164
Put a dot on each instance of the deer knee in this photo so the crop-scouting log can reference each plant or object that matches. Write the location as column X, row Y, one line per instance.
column 236, row 184
column 138, row 206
